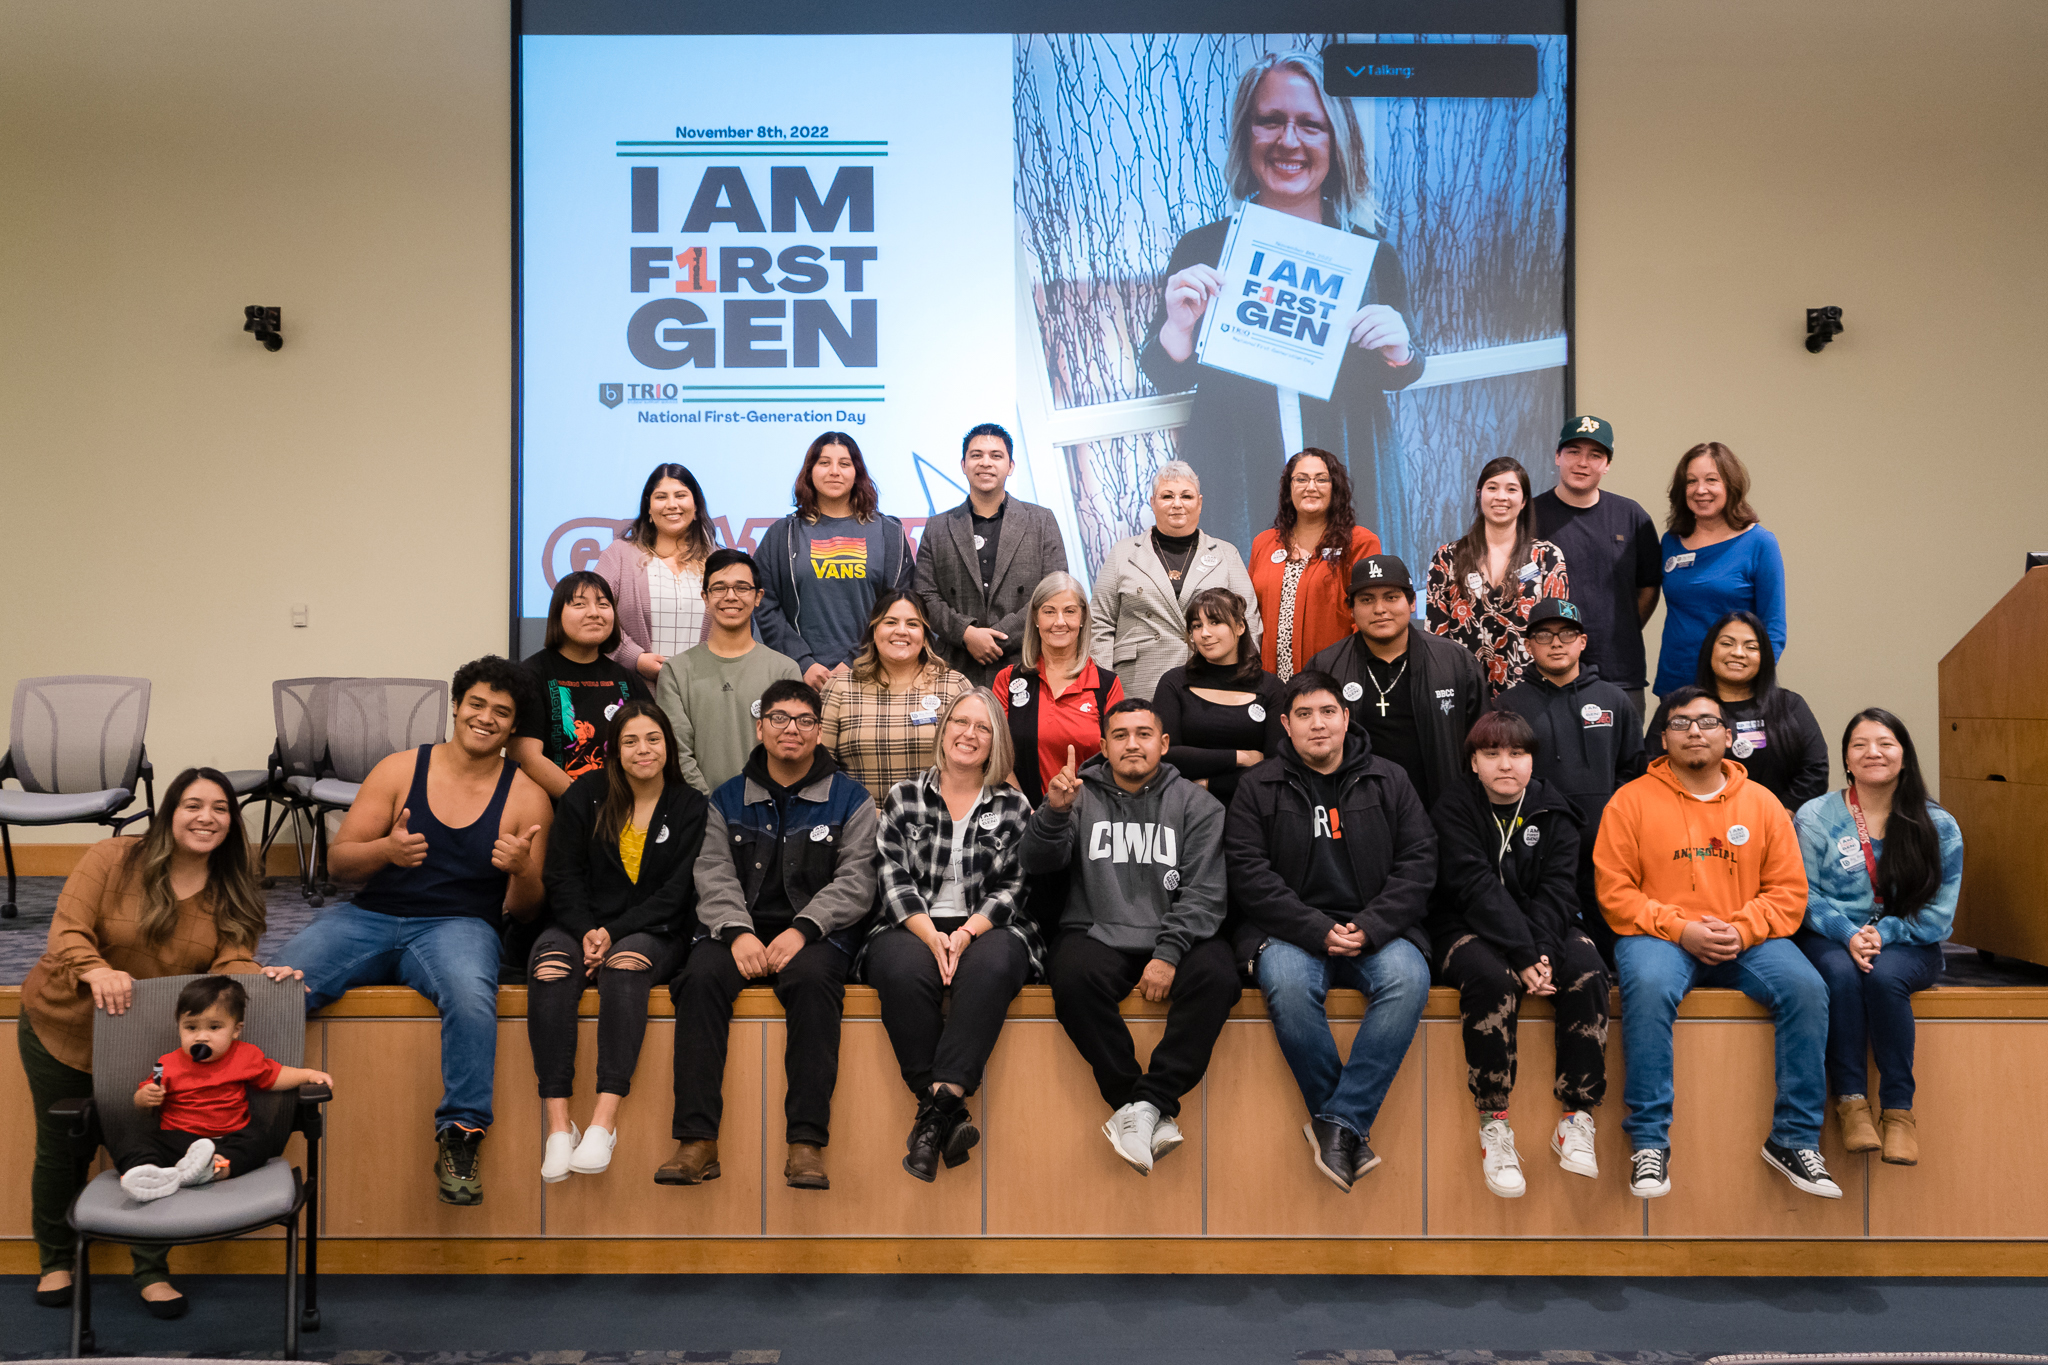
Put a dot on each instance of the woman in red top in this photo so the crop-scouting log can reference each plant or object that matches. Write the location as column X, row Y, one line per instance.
column 1301, row 568
column 1057, row 696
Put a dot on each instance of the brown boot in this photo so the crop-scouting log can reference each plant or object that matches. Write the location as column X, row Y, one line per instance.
column 805, row 1169
column 1901, row 1138
column 695, row 1162
column 1859, row 1132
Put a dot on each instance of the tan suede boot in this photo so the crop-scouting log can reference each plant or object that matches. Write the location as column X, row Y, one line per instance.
column 1901, row 1138
column 805, row 1169
column 1859, row 1131
column 694, row 1163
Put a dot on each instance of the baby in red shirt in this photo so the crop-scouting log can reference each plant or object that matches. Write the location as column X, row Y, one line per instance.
column 201, row 1093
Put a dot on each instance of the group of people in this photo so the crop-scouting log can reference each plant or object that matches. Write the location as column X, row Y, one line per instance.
column 954, row 771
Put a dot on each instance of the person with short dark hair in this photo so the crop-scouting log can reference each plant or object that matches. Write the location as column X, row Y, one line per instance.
column 200, row 1092
column 1699, row 873
column 1331, row 860
column 786, row 874
column 1884, row 865
column 1504, row 924
column 1413, row 692
column 709, row 693
column 1611, row 544
column 1483, row 585
column 654, row 569
column 824, row 564
column 1771, row 729
column 977, row 563
column 882, row 716
column 1718, row 558
column 580, row 686
column 439, row 879
column 1145, row 904
column 1221, row 708
column 1588, row 735
column 622, row 900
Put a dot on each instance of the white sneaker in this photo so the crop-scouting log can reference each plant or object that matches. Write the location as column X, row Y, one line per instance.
column 1573, row 1143
column 145, row 1184
column 1130, row 1137
column 555, row 1157
column 196, row 1166
column 594, row 1153
column 1499, row 1161
column 1165, row 1138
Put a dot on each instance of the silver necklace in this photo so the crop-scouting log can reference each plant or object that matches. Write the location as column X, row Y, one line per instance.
column 1392, row 683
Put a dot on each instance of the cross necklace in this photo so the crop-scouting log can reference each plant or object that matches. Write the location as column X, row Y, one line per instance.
column 1392, row 683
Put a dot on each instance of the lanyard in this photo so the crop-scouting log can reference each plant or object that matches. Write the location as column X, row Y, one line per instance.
column 1507, row 836
column 1863, row 837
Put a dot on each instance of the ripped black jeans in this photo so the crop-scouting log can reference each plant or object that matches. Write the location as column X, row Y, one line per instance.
column 1489, row 1002
column 555, row 981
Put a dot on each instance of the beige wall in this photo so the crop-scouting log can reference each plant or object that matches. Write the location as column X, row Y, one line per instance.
column 170, row 490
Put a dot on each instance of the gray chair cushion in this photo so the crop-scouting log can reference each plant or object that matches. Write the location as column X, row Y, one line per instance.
column 299, row 786
column 246, row 780
column 60, row 808
column 104, row 1210
column 332, row 791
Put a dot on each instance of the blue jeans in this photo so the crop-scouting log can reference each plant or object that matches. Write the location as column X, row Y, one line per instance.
column 452, row 961
column 1656, row 974
column 1871, row 1013
column 1396, row 983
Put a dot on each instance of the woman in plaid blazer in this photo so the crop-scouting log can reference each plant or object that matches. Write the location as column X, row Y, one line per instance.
column 882, row 715
column 952, row 915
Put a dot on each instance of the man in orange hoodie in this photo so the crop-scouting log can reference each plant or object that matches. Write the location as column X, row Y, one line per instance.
column 1699, row 873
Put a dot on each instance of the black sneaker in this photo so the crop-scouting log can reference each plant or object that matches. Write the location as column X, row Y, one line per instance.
column 1804, row 1168
column 455, row 1165
column 927, row 1140
column 1650, row 1173
column 1331, row 1146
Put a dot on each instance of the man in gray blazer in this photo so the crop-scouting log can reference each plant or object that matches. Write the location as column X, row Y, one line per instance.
column 977, row 564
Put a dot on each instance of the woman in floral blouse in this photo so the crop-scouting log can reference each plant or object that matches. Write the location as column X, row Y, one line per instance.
column 1483, row 586
column 882, row 716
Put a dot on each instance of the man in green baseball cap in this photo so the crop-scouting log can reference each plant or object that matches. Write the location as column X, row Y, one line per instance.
column 1592, row 429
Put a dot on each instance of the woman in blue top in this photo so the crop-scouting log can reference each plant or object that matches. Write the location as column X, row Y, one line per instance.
column 1717, row 559
column 1883, row 866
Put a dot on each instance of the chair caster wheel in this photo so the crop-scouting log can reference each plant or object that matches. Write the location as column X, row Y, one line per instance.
column 316, row 901
column 8, row 911
column 270, row 883
column 309, row 1320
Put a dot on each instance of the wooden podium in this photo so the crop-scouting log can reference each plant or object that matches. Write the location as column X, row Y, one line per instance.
column 1994, row 771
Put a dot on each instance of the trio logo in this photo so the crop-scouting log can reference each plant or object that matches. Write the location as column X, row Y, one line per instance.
column 611, row 395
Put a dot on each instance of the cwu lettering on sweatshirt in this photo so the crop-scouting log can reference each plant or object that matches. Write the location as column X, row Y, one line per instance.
column 1128, row 842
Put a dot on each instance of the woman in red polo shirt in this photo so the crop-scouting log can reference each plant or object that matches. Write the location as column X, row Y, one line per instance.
column 1057, row 696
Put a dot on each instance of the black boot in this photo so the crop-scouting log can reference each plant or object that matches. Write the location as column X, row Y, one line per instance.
column 959, row 1133
column 927, row 1140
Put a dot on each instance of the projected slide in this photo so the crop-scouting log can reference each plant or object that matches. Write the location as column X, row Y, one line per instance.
column 731, row 243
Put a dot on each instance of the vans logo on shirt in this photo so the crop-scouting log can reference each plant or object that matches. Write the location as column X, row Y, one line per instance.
column 840, row 557
column 1126, row 842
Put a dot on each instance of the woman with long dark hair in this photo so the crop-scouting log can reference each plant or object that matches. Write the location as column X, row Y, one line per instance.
column 1301, row 567
column 1771, row 730
column 1220, row 710
column 1717, row 558
column 656, row 572
column 882, row 713
column 578, row 683
column 1884, row 865
column 1483, row 585
column 182, row 900
column 622, row 894
column 823, row 565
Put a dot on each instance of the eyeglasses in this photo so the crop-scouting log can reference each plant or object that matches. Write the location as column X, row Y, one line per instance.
column 718, row 590
column 1270, row 126
column 979, row 729
column 1310, row 480
column 1706, row 725
column 782, row 720
column 1554, row 637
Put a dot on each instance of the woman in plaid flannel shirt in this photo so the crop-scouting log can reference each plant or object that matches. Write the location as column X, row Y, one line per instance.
column 952, row 915
column 881, row 717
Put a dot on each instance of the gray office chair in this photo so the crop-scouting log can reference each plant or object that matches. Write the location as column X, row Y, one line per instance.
column 298, row 759
column 124, row 1047
column 368, row 720
column 75, row 745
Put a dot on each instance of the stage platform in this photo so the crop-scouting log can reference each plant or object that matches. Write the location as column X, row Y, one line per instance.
column 1044, row 1194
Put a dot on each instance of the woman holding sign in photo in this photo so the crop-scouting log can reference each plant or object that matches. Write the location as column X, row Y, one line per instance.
column 1293, row 152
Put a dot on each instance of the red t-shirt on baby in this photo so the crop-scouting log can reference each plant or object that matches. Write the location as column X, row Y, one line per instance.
column 208, row 1099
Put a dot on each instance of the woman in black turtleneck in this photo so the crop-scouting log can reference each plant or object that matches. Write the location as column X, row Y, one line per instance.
column 1220, row 710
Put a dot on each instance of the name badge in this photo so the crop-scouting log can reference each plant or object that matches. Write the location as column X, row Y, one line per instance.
column 1677, row 562
column 1208, row 561
column 1255, row 711
column 1279, row 556
column 1528, row 572
column 1352, row 691
column 989, row 820
column 922, row 717
column 820, row 833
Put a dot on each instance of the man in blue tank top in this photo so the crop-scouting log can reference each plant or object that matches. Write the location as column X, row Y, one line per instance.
column 447, row 841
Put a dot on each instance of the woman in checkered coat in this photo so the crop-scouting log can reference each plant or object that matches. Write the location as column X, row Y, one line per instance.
column 881, row 716
column 952, row 916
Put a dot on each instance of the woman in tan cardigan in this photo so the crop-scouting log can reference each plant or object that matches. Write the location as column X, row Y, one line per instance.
column 180, row 900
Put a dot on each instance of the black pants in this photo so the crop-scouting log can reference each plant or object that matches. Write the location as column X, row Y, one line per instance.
column 552, row 1001
column 812, row 989
column 246, row 1149
column 1089, row 981
column 953, row 1046
column 1489, row 1002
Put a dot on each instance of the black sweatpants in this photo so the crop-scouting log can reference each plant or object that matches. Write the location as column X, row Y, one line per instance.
column 1089, row 981
column 812, row 989
column 245, row 1148
column 551, row 1007
column 1489, row 1003
column 950, row 1046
